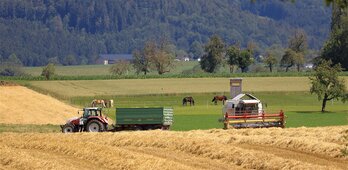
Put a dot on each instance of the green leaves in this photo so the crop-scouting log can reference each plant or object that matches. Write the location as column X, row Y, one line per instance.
column 156, row 56
column 120, row 67
column 213, row 58
column 326, row 84
column 48, row 71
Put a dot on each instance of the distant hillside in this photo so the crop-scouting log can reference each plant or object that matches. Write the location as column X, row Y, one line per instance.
column 75, row 32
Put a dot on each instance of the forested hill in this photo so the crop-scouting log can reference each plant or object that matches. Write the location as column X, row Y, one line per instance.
column 76, row 31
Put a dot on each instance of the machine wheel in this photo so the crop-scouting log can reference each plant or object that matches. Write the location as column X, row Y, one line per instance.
column 165, row 128
column 68, row 128
column 94, row 126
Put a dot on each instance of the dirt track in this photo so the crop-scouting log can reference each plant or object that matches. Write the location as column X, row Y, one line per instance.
column 293, row 148
column 20, row 105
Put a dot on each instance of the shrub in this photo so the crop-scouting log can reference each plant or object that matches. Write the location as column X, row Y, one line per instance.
column 120, row 68
column 48, row 71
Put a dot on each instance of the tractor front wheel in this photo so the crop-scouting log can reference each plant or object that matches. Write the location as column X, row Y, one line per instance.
column 68, row 128
column 94, row 126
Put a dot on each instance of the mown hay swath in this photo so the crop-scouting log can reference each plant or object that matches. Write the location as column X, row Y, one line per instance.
column 209, row 149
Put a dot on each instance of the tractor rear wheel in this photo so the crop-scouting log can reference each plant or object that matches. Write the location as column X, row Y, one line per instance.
column 95, row 126
column 68, row 128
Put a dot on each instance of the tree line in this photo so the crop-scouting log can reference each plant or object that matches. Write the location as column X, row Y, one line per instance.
column 218, row 54
column 76, row 32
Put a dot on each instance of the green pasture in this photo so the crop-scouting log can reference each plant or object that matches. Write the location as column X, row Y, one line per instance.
column 73, row 88
column 301, row 108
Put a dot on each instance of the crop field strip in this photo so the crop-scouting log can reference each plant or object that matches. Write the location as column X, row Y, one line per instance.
column 20, row 105
column 272, row 148
column 170, row 86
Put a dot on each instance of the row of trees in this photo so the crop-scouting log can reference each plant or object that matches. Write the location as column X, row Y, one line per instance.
column 217, row 54
column 158, row 56
column 12, row 66
column 294, row 55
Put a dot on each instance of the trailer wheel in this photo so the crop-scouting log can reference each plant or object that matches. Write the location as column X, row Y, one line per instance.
column 68, row 128
column 94, row 126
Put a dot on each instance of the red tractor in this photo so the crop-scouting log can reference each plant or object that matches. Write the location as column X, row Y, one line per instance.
column 92, row 120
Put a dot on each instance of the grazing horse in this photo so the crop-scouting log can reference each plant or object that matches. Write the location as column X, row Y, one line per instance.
column 109, row 103
column 188, row 99
column 96, row 102
column 219, row 98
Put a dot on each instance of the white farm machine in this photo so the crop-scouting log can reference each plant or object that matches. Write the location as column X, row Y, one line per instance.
column 245, row 110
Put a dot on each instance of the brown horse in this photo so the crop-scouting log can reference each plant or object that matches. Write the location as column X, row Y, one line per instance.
column 188, row 99
column 219, row 98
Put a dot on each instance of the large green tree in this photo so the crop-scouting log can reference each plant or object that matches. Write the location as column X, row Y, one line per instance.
column 163, row 59
column 338, row 10
column 335, row 49
column 120, row 67
column 141, row 62
column 213, row 57
column 298, row 44
column 288, row 60
column 156, row 56
column 326, row 84
column 245, row 60
column 270, row 60
column 196, row 49
column 232, row 55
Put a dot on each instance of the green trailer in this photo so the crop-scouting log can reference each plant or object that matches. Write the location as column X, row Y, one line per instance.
column 143, row 118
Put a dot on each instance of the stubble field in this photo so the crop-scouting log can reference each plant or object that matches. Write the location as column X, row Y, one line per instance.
column 20, row 105
column 294, row 148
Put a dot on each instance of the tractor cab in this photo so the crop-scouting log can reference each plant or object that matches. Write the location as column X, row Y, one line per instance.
column 91, row 111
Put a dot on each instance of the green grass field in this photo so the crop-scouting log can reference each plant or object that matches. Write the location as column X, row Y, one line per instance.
column 301, row 108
